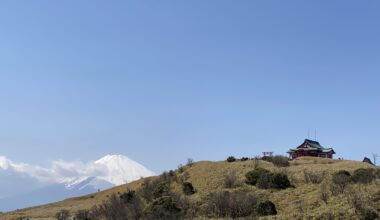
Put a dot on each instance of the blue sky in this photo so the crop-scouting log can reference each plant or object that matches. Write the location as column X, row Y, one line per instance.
column 161, row 81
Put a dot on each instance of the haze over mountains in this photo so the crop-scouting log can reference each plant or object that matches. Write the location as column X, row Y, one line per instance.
column 24, row 185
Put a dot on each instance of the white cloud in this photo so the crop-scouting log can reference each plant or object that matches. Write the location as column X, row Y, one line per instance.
column 116, row 169
column 57, row 171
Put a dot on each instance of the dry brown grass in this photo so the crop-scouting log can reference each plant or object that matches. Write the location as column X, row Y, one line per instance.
column 208, row 177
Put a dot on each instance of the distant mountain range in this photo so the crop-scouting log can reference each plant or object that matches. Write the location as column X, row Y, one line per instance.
column 23, row 185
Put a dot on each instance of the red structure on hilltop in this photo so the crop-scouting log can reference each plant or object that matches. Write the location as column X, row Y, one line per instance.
column 312, row 149
column 267, row 155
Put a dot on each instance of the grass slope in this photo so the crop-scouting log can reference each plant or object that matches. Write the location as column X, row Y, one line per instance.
column 207, row 177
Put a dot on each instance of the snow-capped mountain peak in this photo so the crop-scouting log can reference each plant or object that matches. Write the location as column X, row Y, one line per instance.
column 121, row 169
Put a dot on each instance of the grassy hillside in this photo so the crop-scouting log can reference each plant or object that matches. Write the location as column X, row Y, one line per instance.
column 302, row 200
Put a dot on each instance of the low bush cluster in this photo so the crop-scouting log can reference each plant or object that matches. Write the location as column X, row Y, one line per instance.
column 128, row 196
column 343, row 178
column 364, row 175
column 188, row 188
column 244, row 159
column 253, row 176
column 116, row 208
column 266, row 208
column 181, row 168
column 231, row 159
column 279, row 181
column 163, row 208
column 238, row 205
column 264, row 179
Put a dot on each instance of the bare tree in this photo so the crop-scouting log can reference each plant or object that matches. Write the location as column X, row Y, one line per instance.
column 236, row 204
column 62, row 215
column 375, row 156
column 190, row 162
column 324, row 193
column 314, row 177
column 340, row 181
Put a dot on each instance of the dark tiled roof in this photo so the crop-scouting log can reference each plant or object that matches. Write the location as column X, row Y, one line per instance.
column 312, row 142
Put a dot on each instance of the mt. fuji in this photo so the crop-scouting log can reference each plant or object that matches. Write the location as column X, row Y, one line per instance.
column 121, row 169
column 111, row 169
column 25, row 185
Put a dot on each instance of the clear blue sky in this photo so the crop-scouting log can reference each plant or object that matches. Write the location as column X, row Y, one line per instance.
column 161, row 81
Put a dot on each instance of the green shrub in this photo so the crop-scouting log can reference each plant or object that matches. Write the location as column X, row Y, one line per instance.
column 244, row 159
column 162, row 208
column 363, row 175
column 279, row 161
column 253, row 176
column 181, row 168
column 168, row 177
column 264, row 181
column 128, row 196
column 343, row 173
column 231, row 159
column 172, row 173
column 115, row 208
column 188, row 188
column 279, row 181
column 161, row 189
column 266, row 208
